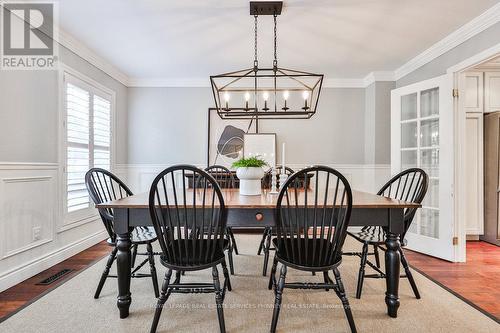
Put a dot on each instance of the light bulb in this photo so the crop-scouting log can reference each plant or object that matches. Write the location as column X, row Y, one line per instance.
column 226, row 96
column 305, row 95
column 286, row 94
column 265, row 95
column 247, row 96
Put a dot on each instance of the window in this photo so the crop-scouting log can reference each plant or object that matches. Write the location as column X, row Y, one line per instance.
column 88, row 133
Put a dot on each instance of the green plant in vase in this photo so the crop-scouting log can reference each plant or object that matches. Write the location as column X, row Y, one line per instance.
column 250, row 172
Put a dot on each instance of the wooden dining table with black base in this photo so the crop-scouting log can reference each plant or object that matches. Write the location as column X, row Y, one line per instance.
column 258, row 212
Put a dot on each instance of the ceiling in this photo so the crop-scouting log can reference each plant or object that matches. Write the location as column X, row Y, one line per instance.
column 186, row 39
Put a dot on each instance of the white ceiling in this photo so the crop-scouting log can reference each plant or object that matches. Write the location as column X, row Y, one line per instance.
column 192, row 39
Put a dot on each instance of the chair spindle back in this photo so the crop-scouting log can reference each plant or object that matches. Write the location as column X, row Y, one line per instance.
column 104, row 186
column 312, row 223
column 187, row 221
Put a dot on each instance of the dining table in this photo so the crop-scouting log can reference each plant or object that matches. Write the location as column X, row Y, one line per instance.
column 258, row 211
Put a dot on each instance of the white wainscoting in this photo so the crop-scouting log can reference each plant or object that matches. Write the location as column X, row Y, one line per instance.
column 30, row 213
column 362, row 177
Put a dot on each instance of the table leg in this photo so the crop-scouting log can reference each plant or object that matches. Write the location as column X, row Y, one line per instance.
column 123, row 267
column 392, row 267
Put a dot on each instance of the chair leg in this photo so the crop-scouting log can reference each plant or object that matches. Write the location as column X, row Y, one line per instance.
column 377, row 257
column 404, row 262
column 361, row 274
column 218, row 299
column 233, row 240
column 152, row 268
column 226, row 275
column 105, row 274
column 272, row 277
column 267, row 246
column 230, row 257
column 161, row 300
column 278, row 298
column 262, row 241
column 326, row 279
column 343, row 297
column 134, row 255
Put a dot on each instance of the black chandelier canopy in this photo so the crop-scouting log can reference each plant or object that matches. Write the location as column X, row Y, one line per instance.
column 271, row 93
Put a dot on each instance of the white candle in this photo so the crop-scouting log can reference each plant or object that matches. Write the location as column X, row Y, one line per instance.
column 283, row 158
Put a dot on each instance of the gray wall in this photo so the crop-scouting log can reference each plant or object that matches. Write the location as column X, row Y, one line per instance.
column 28, row 116
column 378, row 123
column 29, row 111
column 369, row 129
column 482, row 41
column 169, row 125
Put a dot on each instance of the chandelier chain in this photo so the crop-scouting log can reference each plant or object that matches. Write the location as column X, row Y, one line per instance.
column 275, row 62
column 255, row 62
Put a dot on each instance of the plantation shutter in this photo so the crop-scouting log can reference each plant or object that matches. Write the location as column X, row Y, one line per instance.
column 88, row 139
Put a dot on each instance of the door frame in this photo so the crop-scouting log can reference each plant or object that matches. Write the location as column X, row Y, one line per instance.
column 454, row 72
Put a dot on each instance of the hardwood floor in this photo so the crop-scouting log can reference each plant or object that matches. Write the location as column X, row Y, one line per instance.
column 26, row 292
column 477, row 280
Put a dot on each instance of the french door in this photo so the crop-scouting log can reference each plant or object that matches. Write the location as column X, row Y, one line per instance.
column 422, row 136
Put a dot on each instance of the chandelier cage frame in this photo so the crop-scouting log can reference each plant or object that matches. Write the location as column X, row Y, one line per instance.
column 270, row 93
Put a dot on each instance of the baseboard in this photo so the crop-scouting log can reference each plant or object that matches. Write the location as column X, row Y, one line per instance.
column 472, row 237
column 29, row 269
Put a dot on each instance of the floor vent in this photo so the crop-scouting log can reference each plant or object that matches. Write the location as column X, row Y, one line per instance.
column 54, row 278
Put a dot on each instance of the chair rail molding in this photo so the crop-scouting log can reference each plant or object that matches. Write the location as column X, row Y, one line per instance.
column 30, row 240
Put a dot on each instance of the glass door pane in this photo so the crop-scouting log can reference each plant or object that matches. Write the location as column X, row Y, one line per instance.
column 432, row 197
column 429, row 133
column 429, row 161
column 429, row 102
column 409, row 106
column 429, row 222
column 409, row 159
column 409, row 135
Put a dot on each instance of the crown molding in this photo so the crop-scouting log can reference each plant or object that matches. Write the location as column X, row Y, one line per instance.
column 80, row 49
column 378, row 76
column 343, row 83
column 205, row 82
column 462, row 34
column 169, row 82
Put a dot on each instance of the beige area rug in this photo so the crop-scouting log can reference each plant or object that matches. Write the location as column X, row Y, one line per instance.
column 72, row 308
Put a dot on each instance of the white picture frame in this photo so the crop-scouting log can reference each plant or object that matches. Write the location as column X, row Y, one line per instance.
column 261, row 144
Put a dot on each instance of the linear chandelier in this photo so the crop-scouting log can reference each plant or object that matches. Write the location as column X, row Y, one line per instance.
column 271, row 93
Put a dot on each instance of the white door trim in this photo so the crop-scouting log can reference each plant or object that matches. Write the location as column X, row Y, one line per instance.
column 459, row 122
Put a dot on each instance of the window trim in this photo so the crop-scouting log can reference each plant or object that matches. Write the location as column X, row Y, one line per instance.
column 70, row 220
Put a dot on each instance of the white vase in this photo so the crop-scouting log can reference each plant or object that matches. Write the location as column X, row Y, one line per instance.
column 250, row 180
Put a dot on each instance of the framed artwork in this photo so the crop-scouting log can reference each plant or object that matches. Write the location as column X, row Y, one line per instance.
column 226, row 138
column 261, row 144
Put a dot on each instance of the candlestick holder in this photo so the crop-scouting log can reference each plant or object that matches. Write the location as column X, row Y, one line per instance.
column 283, row 177
column 274, row 180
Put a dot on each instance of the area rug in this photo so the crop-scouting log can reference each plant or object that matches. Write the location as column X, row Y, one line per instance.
column 248, row 308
